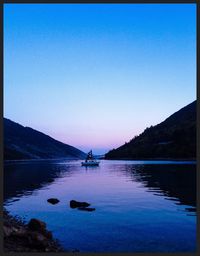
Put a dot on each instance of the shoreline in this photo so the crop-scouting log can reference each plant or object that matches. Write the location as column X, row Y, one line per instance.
column 38, row 160
column 31, row 237
column 155, row 159
column 133, row 159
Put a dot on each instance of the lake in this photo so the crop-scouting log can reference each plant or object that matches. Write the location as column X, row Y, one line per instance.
column 141, row 206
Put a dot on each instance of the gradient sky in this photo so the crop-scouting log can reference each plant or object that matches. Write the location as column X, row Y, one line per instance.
column 95, row 75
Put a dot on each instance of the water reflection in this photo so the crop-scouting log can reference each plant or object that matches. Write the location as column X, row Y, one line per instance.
column 140, row 207
column 174, row 182
column 23, row 178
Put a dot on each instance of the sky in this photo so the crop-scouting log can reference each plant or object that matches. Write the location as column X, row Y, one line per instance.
column 95, row 75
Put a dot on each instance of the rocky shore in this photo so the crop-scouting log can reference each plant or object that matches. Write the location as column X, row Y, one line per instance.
column 30, row 237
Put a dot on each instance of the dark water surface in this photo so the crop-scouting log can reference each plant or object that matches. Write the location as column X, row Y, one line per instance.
column 141, row 206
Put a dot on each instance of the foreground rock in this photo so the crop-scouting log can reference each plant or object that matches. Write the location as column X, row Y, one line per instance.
column 39, row 226
column 34, row 237
column 76, row 204
column 87, row 209
column 53, row 200
column 36, row 225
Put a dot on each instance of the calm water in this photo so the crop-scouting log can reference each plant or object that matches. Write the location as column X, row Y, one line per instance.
column 141, row 206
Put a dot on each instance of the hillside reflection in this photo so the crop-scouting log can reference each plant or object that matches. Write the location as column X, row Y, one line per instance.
column 175, row 182
column 23, row 178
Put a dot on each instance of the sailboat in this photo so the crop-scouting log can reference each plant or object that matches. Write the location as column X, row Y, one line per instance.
column 90, row 161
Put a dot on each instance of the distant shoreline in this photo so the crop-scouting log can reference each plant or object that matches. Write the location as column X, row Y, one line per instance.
column 124, row 159
column 154, row 159
column 40, row 159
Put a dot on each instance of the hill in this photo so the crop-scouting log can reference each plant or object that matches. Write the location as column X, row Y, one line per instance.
column 26, row 143
column 173, row 138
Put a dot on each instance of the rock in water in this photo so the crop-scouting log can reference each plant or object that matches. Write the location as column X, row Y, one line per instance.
column 86, row 209
column 76, row 204
column 53, row 200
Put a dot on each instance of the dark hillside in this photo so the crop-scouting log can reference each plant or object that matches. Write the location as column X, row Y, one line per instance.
column 26, row 143
column 173, row 138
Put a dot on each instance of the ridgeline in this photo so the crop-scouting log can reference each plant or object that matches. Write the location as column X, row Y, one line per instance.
column 26, row 143
column 174, row 138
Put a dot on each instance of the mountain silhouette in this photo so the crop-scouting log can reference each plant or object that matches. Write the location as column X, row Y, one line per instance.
column 173, row 138
column 26, row 143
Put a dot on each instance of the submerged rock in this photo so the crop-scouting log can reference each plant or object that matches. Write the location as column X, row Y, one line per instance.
column 88, row 209
column 76, row 204
column 53, row 200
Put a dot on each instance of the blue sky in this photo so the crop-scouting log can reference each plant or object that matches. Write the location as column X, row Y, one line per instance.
column 95, row 75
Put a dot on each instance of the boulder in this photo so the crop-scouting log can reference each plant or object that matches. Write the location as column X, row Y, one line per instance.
column 36, row 225
column 37, row 240
column 76, row 204
column 19, row 232
column 7, row 231
column 39, row 226
column 48, row 234
column 88, row 209
column 33, row 237
column 53, row 200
